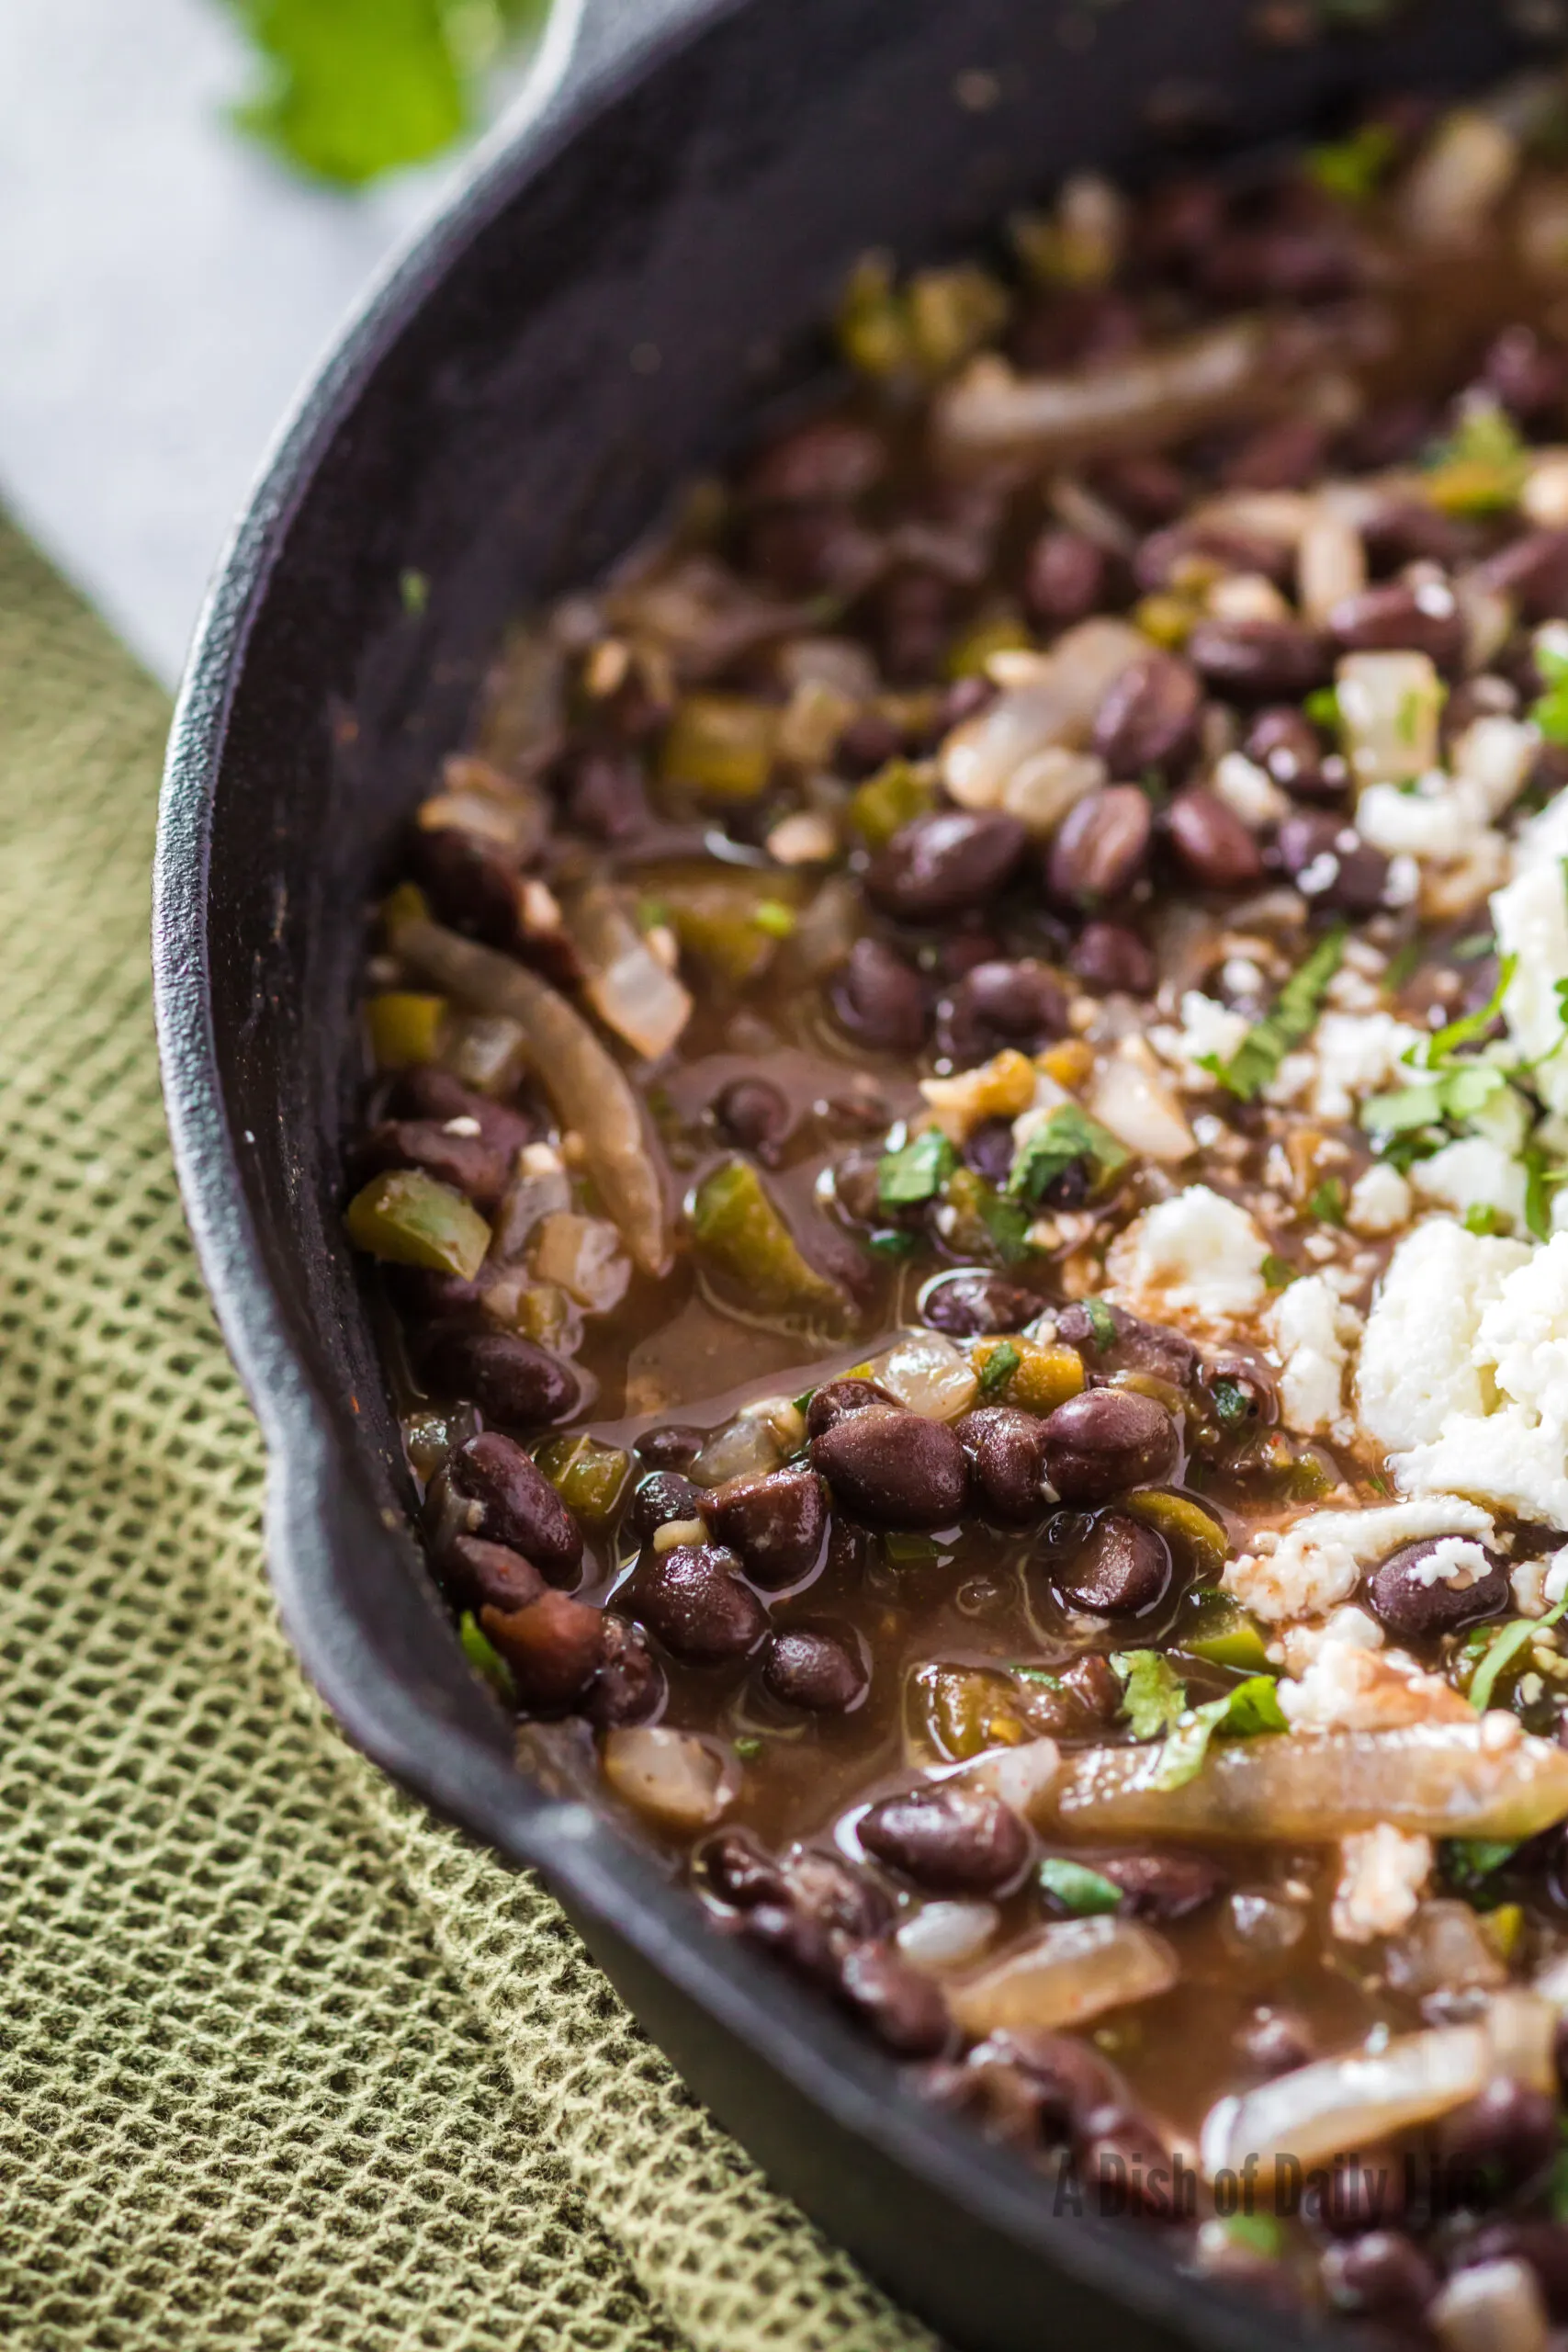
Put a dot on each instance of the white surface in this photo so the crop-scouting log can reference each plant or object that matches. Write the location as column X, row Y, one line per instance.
column 164, row 289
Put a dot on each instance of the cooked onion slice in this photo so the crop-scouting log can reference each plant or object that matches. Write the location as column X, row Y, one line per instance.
column 588, row 1087
column 1165, row 393
column 1055, row 709
column 673, row 1777
column 1444, row 1779
column 1069, row 1971
column 629, row 989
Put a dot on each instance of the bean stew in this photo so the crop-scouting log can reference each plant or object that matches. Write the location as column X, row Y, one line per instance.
column 969, row 1111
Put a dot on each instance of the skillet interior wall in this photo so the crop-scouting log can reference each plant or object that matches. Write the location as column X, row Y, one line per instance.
column 494, row 434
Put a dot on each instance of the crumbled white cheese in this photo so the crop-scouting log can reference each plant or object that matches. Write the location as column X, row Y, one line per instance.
column 1381, row 1873
column 1207, row 1028
column 1528, row 1585
column 1379, row 1202
column 1197, row 1254
column 1348, row 1686
column 1308, row 1328
column 1433, row 820
column 1314, row 1566
column 1453, row 1560
column 1416, row 1371
column 1465, row 1370
column 1493, row 758
column 1554, row 1584
column 1472, row 1173
column 1355, row 1055
column 1248, row 791
column 1530, row 919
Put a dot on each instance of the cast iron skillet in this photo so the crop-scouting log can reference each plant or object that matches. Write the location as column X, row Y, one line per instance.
column 601, row 311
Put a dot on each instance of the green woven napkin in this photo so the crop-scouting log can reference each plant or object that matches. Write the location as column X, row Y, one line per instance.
column 282, row 2064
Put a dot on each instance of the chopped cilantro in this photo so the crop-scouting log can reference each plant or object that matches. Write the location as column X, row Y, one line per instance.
column 1246, row 1712
column 1482, row 1218
column 1402, row 966
column 1483, row 464
column 1542, row 1179
column 1439, row 1050
column 1550, row 712
column 1502, row 1650
column 1329, row 1202
column 1232, row 1403
column 918, row 1171
column 1153, row 1695
column 1354, row 169
column 889, row 1241
column 1076, row 1888
column 998, row 1368
column 1007, row 1224
column 1471, row 949
column 1070, row 1139
column 1469, row 1861
column 1277, row 1273
column 413, row 588
column 481, row 1653
column 1258, row 2233
column 1292, row 1019
column 748, row 1745
column 1322, row 706
column 357, row 87
column 1101, row 1322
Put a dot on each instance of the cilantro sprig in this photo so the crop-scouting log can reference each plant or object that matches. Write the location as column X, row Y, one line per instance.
column 1287, row 1024
column 1069, row 1138
column 1550, row 712
column 917, row 1171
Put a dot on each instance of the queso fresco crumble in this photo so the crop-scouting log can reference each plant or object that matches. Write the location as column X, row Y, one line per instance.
column 969, row 1143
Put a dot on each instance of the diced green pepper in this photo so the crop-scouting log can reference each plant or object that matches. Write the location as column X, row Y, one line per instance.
column 1182, row 1521
column 724, row 924
column 1022, row 1372
column 951, row 312
column 889, row 800
column 1073, row 1887
column 872, row 330
column 740, row 1235
column 485, row 1658
column 587, row 1476
column 951, row 1712
column 997, row 633
column 720, row 745
column 407, row 1218
column 1225, row 1635
column 405, row 1027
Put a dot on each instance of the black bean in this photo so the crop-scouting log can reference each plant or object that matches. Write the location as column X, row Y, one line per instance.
column 1149, row 488
column 881, row 999
column 1031, row 2085
column 996, row 1004
column 516, row 1504
column 692, row 1598
column 1007, row 1461
column 629, row 1685
column 1065, row 578
column 1122, row 2156
column 816, row 1670
column 1118, row 1341
column 974, row 1304
column 1402, row 616
column 798, row 1940
column 1163, row 1886
column 1406, row 531
column 1357, row 2196
column 831, row 461
column 466, row 1162
column 1122, row 1569
column 903, row 2008
column 894, row 1468
column 1071, row 325
column 777, row 1522
column 837, row 1399
column 1165, row 556
column 867, row 743
column 1276, row 2041
column 1286, row 745
column 666, row 1495
column 733, row 1867
column 1382, row 2273
column 1330, row 864
column 1287, row 455
column 1525, row 375
column 1543, row 2247
column 1101, row 847
column 481, row 1574
column 988, row 1150
column 1106, row 1441
column 672, row 1447
column 553, row 1646
column 429, row 1093
column 824, row 1888
column 509, row 1378
column 602, row 792
column 1497, row 2141
column 472, row 882
column 1534, row 572
column 1112, row 957
column 949, row 1841
column 1260, row 660
column 913, row 616
column 1148, row 720
column 1210, row 842
column 945, row 864
column 1411, row 1608
column 804, row 549
column 753, row 1114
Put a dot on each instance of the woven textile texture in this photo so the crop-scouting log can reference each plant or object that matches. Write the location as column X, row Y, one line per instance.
column 282, row 2064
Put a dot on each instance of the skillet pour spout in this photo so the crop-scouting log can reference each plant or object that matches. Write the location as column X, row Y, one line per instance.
column 625, row 284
